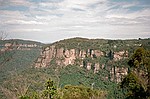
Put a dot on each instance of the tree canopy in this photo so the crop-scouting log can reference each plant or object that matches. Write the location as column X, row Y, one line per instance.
column 137, row 82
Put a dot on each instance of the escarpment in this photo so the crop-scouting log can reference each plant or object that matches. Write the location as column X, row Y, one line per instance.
column 91, row 55
column 84, row 58
column 64, row 56
column 103, row 57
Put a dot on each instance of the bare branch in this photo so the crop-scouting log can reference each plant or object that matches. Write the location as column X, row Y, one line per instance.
column 3, row 35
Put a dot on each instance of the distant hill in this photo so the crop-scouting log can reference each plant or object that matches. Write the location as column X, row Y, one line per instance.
column 20, row 41
column 90, row 52
column 17, row 54
column 98, row 61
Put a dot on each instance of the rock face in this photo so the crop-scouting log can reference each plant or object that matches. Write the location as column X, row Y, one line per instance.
column 13, row 46
column 118, row 73
column 97, row 68
column 63, row 57
column 119, row 55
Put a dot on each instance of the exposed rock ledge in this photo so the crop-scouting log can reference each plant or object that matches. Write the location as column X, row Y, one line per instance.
column 65, row 56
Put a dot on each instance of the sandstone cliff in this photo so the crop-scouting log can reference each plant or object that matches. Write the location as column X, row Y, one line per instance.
column 63, row 56
column 97, row 55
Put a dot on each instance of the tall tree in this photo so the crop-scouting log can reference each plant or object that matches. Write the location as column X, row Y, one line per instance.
column 138, row 80
column 50, row 90
column 111, row 55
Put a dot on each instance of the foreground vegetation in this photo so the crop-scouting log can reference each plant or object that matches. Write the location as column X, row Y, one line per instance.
column 137, row 82
column 32, row 81
column 68, row 92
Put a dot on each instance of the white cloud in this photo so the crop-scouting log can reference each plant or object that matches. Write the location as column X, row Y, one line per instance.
column 90, row 18
column 28, row 30
column 4, row 3
column 20, row 2
column 24, row 22
column 127, row 15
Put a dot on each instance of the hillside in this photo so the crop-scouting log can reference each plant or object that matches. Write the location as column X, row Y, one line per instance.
column 110, row 55
column 97, row 63
column 16, row 56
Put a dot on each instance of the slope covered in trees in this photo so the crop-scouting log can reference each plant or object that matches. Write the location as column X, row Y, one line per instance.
column 20, row 78
column 137, row 82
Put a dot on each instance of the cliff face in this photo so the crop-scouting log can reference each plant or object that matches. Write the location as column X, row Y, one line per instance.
column 64, row 57
column 17, row 46
column 117, row 74
column 107, row 58
column 120, row 55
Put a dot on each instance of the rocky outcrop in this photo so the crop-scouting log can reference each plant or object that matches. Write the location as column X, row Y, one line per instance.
column 89, row 66
column 65, row 56
column 118, row 73
column 14, row 46
column 97, row 53
column 97, row 68
column 120, row 55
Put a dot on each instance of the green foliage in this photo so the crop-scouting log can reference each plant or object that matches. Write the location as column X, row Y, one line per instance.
column 50, row 90
column 15, row 61
column 134, row 87
column 24, row 97
column 102, row 44
column 137, row 58
column 75, row 76
column 111, row 55
column 19, row 41
column 81, row 92
column 137, row 82
column 67, row 92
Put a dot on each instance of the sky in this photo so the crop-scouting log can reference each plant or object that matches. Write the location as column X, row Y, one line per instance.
column 52, row 20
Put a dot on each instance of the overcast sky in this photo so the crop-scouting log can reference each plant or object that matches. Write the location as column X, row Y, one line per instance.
column 52, row 20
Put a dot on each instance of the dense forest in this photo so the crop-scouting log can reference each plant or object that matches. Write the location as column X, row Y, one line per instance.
column 19, row 78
